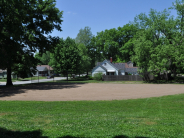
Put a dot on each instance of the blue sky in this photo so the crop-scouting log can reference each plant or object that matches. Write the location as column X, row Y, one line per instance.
column 103, row 14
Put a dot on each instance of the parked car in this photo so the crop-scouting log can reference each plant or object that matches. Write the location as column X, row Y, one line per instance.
column 49, row 77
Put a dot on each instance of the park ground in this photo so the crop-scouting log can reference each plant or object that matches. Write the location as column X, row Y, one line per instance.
column 87, row 91
column 92, row 110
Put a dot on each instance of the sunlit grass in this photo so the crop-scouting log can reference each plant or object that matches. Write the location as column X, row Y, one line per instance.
column 150, row 117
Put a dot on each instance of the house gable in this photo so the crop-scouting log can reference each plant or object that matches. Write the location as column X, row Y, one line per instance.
column 98, row 69
column 106, row 64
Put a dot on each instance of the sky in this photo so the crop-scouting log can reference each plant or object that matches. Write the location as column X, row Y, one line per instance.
column 100, row 15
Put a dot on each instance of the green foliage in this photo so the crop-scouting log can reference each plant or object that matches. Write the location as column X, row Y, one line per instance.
column 85, row 63
column 98, row 76
column 116, row 43
column 27, row 67
column 44, row 58
column 24, row 28
column 90, row 77
column 83, row 41
column 151, row 117
column 84, row 36
column 66, row 57
column 158, row 45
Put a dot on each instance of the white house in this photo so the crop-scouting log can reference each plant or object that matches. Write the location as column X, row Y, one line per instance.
column 109, row 68
column 44, row 70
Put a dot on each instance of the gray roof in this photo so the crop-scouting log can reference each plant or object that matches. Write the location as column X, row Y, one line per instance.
column 98, row 63
column 119, row 65
column 41, row 68
column 129, row 62
column 131, row 70
column 103, row 67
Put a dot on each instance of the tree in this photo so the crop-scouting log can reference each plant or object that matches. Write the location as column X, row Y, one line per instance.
column 85, row 59
column 24, row 25
column 66, row 57
column 116, row 43
column 159, row 43
column 44, row 58
column 84, row 36
column 126, row 35
column 23, row 69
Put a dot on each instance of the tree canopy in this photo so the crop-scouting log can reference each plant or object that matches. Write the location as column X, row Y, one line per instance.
column 66, row 57
column 44, row 59
column 24, row 28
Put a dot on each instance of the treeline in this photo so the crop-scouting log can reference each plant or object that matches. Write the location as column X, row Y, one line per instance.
column 154, row 42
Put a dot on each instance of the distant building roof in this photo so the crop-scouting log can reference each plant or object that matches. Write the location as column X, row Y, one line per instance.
column 1, row 71
column 134, row 69
column 129, row 62
column 119, row 65
column 123, row 66
column 41, row 68
column 47, row 66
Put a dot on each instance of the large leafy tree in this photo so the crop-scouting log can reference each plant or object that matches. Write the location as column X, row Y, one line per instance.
column 84, row 36
column 24, row 28
column 159, row 43
column 44, row 59
column 85, row 59
column 116, row 43
column 66, row 57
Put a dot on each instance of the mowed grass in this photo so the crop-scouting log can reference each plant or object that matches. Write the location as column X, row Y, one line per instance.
column 85, row 80
column 4, row 80
column 161, row 117
column 25, row 79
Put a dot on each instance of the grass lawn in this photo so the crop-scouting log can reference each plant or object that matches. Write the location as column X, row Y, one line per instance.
column 25, row 79
column 4, row 80
column 33, row 78
column 84, row 80
column 161, row 117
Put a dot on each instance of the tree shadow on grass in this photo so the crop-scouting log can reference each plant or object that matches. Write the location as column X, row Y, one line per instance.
column 18, row 89
column 123, row 136
column 4, row 133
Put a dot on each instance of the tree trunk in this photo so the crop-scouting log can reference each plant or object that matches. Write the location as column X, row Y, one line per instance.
column 67, row 75
column 9, row 80
column 79, row 75
column 87, row 72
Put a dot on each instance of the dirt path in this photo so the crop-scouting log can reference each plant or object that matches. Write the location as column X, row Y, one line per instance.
column 91, row 91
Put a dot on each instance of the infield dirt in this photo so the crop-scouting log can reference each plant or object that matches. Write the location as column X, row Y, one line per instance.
column 90, row 91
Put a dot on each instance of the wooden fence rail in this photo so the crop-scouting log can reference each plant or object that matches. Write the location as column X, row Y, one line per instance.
column 122, row 78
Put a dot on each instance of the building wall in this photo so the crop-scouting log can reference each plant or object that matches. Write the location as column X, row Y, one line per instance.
column 109, row 67
column 97, row 70
column 121, row 72
column 130, row 65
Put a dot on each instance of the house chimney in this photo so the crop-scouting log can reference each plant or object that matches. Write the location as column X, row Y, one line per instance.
column 111, row 59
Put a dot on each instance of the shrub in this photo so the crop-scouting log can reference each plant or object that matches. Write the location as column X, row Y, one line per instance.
column 98, row 76
column 90, row 77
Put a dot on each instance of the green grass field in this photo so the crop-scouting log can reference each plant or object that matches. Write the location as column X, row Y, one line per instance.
column 84, row 80
column 4, row 80
column 25, row 79
column 161, row 117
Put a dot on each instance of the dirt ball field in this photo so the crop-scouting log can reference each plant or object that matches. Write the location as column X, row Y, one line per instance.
column 91, row 91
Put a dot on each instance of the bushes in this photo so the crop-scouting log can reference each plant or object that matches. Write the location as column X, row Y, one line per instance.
column 90, row 77
column 98, row 76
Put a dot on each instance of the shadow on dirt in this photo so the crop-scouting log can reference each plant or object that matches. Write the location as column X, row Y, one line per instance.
column 4, row 133
column 18, row 89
